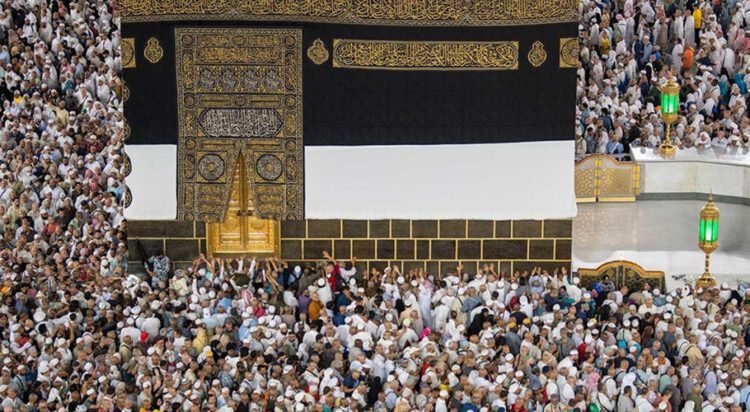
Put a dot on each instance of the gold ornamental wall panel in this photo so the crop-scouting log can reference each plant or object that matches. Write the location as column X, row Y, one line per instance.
column 239, row 99
column 376, row 12
column 602, row 178
column 425, row 55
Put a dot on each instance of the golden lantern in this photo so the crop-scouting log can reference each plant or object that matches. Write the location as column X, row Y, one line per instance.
column 708, row 240
column 670, row 106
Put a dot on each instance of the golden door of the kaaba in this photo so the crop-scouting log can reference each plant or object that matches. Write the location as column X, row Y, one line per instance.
column 241, row 233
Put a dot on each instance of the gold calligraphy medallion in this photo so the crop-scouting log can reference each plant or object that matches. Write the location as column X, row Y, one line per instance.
column 317, row 52
column 153, row 51
column 537, row 55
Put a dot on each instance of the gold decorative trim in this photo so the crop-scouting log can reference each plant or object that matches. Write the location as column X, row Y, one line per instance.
column 369, row 12
column 569, row 52
column 153, row 51
column 127, row 197
column 127, row 166
column 125, row 92
column 127, row 52
column 239, row 99
column 317, row 52
column 537, row 55
column 126, row 130
column 602, row 178
column 425, row 55
column 623, row 272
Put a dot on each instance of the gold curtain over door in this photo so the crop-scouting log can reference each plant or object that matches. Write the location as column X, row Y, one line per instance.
column 241, row 233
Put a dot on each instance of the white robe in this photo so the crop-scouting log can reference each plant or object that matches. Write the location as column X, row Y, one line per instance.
column 425, row 305
column 690, row 31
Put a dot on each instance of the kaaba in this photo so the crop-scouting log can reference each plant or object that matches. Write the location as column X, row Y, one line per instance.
column 414, row 131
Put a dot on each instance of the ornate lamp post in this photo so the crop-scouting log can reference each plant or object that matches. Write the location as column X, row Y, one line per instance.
column 708, row 240
column 670, row 103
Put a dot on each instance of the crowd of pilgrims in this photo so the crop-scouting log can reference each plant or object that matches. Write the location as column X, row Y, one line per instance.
column 629, row 49
column 78, row 332
column 263, row 335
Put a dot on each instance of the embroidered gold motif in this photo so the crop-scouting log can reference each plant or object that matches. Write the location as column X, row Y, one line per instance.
column 239, row 99
column 377, row 12
column 127, row 52
column 569, row 52
column 537, row 55
column 125, row 92
column 153, row 51
column 425, row 55
column 127, row 166
column 317, row 52
column 127, row 197
column 126, row 130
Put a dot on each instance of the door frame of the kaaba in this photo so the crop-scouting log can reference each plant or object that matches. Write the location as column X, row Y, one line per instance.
column 239, row 98
column 239, row 90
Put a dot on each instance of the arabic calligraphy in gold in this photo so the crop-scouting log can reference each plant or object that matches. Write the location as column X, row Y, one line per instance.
column 537, row 55
column 127, row 52
column 377, row 12
column 425, row 55
column 569, row 52
column 153, row 51
column 317, row 52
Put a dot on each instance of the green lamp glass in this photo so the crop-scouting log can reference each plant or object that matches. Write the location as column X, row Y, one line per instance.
column 670, row 106
column 708, row 239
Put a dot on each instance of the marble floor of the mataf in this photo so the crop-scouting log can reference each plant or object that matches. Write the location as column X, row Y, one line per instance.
column 662, row 235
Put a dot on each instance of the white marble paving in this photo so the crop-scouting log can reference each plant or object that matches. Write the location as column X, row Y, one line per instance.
column 661, row 235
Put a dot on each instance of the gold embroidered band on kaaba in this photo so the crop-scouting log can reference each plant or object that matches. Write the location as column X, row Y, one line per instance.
column 377, row 12
column 425, row 55
column 239, row 99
